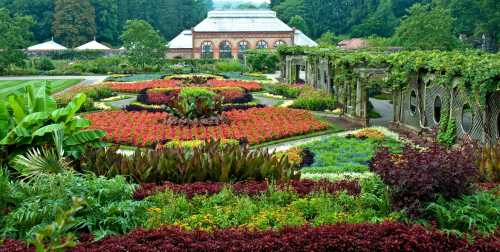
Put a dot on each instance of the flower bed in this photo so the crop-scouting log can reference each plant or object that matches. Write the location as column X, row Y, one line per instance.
column 342, row 237
column 301, row 187
column 250, row 86
column 136, row 87
column 254, row 125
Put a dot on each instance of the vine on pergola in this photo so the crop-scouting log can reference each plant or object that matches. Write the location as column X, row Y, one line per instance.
column 476, row 73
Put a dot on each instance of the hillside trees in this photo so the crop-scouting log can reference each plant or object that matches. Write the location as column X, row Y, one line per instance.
column 74, row 22
column 15, row 34
column 427, row 28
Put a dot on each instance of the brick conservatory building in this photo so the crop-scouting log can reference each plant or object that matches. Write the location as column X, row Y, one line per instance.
column 229, row 33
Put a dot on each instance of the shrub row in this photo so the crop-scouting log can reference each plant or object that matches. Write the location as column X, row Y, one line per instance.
column 342, row 237
column 314, row 100
column 418, row 177
column 301, row 187
column 209, row 162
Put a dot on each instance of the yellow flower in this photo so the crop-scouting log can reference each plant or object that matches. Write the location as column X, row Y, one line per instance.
column 154, row 210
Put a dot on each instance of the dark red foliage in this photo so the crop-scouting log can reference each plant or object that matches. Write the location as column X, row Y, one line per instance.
column 389, row 236
column 14, row 246
column 342, row 237
column 252, row 188
column 418, row 177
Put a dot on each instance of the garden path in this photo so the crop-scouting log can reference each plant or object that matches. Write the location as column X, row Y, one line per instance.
column 385, row 109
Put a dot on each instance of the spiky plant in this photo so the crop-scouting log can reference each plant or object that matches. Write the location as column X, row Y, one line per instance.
column 43, row 161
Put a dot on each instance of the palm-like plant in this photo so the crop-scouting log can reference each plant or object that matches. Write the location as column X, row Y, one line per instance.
column 39, row 161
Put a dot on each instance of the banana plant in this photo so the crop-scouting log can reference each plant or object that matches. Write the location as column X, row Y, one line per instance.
column 29, row 119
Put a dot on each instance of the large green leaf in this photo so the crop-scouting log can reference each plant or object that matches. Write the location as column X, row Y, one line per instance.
column 53, row 128
column 34, row 119
column 66, row 114
column 30, row 97
column 84, row 137
column 43, row 101
column 16, row 135
column 17, row 108
column 79, row 123
column 4, row 120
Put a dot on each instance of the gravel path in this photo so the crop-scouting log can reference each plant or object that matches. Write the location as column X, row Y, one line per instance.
column 385, row 109
column 266, row 101
column 123, row 103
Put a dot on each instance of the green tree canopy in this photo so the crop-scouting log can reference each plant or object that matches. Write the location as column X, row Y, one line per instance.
column 327, row 39
column 427, row 28
column 74, row 22
column 143, row 43
column 15, row 35
column 299, row 23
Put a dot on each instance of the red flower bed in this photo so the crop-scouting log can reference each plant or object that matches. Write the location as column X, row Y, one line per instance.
column 256, row 125
column 247, row 85
column 301, row 187
column 136, row 87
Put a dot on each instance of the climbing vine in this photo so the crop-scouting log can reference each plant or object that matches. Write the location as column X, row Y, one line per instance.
column 473, row 72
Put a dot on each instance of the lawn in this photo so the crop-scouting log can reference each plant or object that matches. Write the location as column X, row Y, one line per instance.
column 339, row 155
column 9, row 87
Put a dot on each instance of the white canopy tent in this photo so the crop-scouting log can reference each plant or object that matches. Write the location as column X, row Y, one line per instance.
column 47, row 46
column 92, row 45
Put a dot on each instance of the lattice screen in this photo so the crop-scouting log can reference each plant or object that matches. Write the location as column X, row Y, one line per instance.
column 431, row 92
column 494, row 103
column 459, row 101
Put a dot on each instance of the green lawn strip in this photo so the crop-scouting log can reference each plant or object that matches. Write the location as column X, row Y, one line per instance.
column 337, row 155
column 9, row 87
column 295, row 138
column 13, row 88
column 9, row 84
column 337, row 176
column 60, row 85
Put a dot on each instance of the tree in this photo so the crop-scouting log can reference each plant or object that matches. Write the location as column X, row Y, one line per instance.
column 382, row 22
column 327, row 39
column 427, row 28
column 15, row 36
column 144, row 44
column 106, row 12
column 74, row 22
column 290, row 8
column 299, row 23
column 42, row 12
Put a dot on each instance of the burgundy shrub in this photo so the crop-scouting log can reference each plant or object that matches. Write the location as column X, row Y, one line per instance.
column 14, row 246
column 418, row 177
column 252, row 188
column 342, row 237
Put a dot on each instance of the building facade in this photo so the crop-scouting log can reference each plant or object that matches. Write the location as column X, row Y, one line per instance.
column 229, row 33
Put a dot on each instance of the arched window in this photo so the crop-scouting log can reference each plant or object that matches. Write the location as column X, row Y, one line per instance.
column 242, row 47
column 262, row 45
column 498, row 125
column 225, row 50
column 279, row 43
column 467, row 118
column 437, row 109
column 413, row 102
column 207, row 50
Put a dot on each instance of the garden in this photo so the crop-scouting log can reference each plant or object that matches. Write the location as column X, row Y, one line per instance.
column 176, row 163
